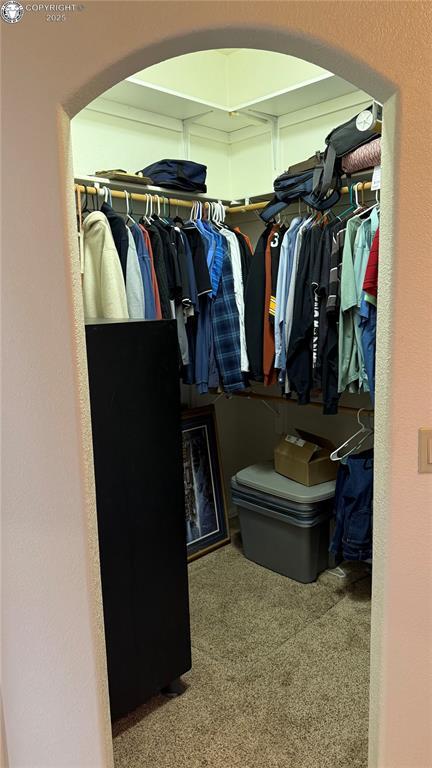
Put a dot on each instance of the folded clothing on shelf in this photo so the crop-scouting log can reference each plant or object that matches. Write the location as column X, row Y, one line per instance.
column 362, row 158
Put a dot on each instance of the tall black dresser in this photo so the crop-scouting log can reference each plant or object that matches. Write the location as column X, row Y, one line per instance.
column 135, row 410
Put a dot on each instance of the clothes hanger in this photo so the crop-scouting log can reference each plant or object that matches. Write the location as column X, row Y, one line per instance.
column 107, row 195
column 129, row 217
column 351, row 206
column 363, row 433
column 85, row 208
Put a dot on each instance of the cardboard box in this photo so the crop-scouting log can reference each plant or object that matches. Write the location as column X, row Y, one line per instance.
column 305, row 458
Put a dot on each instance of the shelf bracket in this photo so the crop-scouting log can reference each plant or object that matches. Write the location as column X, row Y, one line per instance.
column 273, row 121
column 186, row 133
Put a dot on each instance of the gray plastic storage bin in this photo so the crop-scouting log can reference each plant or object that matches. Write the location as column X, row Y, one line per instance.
column 284, row 525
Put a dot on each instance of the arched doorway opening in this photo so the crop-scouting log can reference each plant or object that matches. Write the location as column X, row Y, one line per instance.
column 389, row 113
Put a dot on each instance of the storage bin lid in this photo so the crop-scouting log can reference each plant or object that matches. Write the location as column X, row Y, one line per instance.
column 263, row 478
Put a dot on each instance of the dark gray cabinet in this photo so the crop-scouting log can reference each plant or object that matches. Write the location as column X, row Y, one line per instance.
column 135, row 409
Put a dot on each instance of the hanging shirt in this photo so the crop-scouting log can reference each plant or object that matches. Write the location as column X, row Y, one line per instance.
column 272, row 251
column 326, row 372
column 370, row 283
column 235, row 255
column 246, row 256
column 226, row 331
column 362, row 247
column 217, row 253
column 104, row 292
column 214, row 253
column 144, row 265
column 134, row 283
column 119, row 233
column 282, row 289
column 199, row 258
column 160, row 269
column 155, row 285
column 299, row 355
column 348, row 356
column 289, row 312
column 254, row 307
column 190, row 273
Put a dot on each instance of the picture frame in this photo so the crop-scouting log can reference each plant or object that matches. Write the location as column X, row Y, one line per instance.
column 205, row 504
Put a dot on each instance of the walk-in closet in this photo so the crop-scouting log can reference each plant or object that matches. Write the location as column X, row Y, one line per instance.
column 228, row 212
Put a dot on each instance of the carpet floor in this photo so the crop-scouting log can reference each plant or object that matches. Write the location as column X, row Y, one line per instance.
column 280, row 675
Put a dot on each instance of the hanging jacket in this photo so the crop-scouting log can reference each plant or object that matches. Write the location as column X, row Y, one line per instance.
column 134, row 283
column 299, row 357
column 254, row 308
column 196, row 244
column 160, row 269
column 272, row 252
column 326, row 371
column 119, row 233
column 104, row 292
column 155, row 285
column 145, row 268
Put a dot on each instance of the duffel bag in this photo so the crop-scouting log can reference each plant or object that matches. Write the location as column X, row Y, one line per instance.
column 177, row 174
column 297, row 183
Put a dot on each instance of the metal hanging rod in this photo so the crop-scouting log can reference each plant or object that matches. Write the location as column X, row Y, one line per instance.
column 289, row 401
column 121, row 194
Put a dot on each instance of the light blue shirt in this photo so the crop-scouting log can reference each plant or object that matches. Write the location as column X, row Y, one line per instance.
column 282, row 289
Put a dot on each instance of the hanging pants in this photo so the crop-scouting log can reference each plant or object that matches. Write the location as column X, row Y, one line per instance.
column 352, row 538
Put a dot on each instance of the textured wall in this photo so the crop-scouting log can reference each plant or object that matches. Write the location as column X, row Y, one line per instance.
column 54, row 691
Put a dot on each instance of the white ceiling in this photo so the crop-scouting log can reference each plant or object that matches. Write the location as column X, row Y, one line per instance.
column 158, row 97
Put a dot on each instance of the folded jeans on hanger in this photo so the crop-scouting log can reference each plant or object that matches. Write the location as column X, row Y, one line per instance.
column 352, row 538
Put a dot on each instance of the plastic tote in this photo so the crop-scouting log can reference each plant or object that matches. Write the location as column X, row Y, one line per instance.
column 284, row 525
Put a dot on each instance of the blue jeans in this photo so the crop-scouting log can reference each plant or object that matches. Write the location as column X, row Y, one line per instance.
column 352, row 538
column 368, row 328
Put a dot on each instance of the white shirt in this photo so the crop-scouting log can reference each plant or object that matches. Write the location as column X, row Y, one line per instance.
column 134, row 283
column 234, row 250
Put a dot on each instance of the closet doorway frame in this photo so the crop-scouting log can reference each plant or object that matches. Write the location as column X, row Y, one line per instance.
column 190, row 44
column 305, row 30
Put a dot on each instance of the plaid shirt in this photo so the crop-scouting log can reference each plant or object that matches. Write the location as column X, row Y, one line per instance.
column 216, row 266
column 226, row 330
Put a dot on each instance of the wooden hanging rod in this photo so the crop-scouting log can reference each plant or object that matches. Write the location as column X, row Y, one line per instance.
column 279, row 398
column 134, row 196
column 361, row 186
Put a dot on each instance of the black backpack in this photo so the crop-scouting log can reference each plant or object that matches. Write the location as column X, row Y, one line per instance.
column 342, row 140
column 297, row 183
column 177, row 174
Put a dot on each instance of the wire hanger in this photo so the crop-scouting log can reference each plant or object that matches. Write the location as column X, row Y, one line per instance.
column 362, row 434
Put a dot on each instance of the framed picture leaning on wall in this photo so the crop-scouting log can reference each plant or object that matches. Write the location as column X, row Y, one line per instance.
column 205, row 507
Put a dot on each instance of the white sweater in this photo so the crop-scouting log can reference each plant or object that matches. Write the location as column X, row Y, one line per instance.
column 104, row 291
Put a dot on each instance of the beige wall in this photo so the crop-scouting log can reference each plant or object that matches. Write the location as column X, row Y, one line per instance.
column 55, row 706
column 101, row 141
column 239, row 164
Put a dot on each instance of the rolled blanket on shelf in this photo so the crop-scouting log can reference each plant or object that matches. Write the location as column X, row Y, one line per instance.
column 362, row 158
